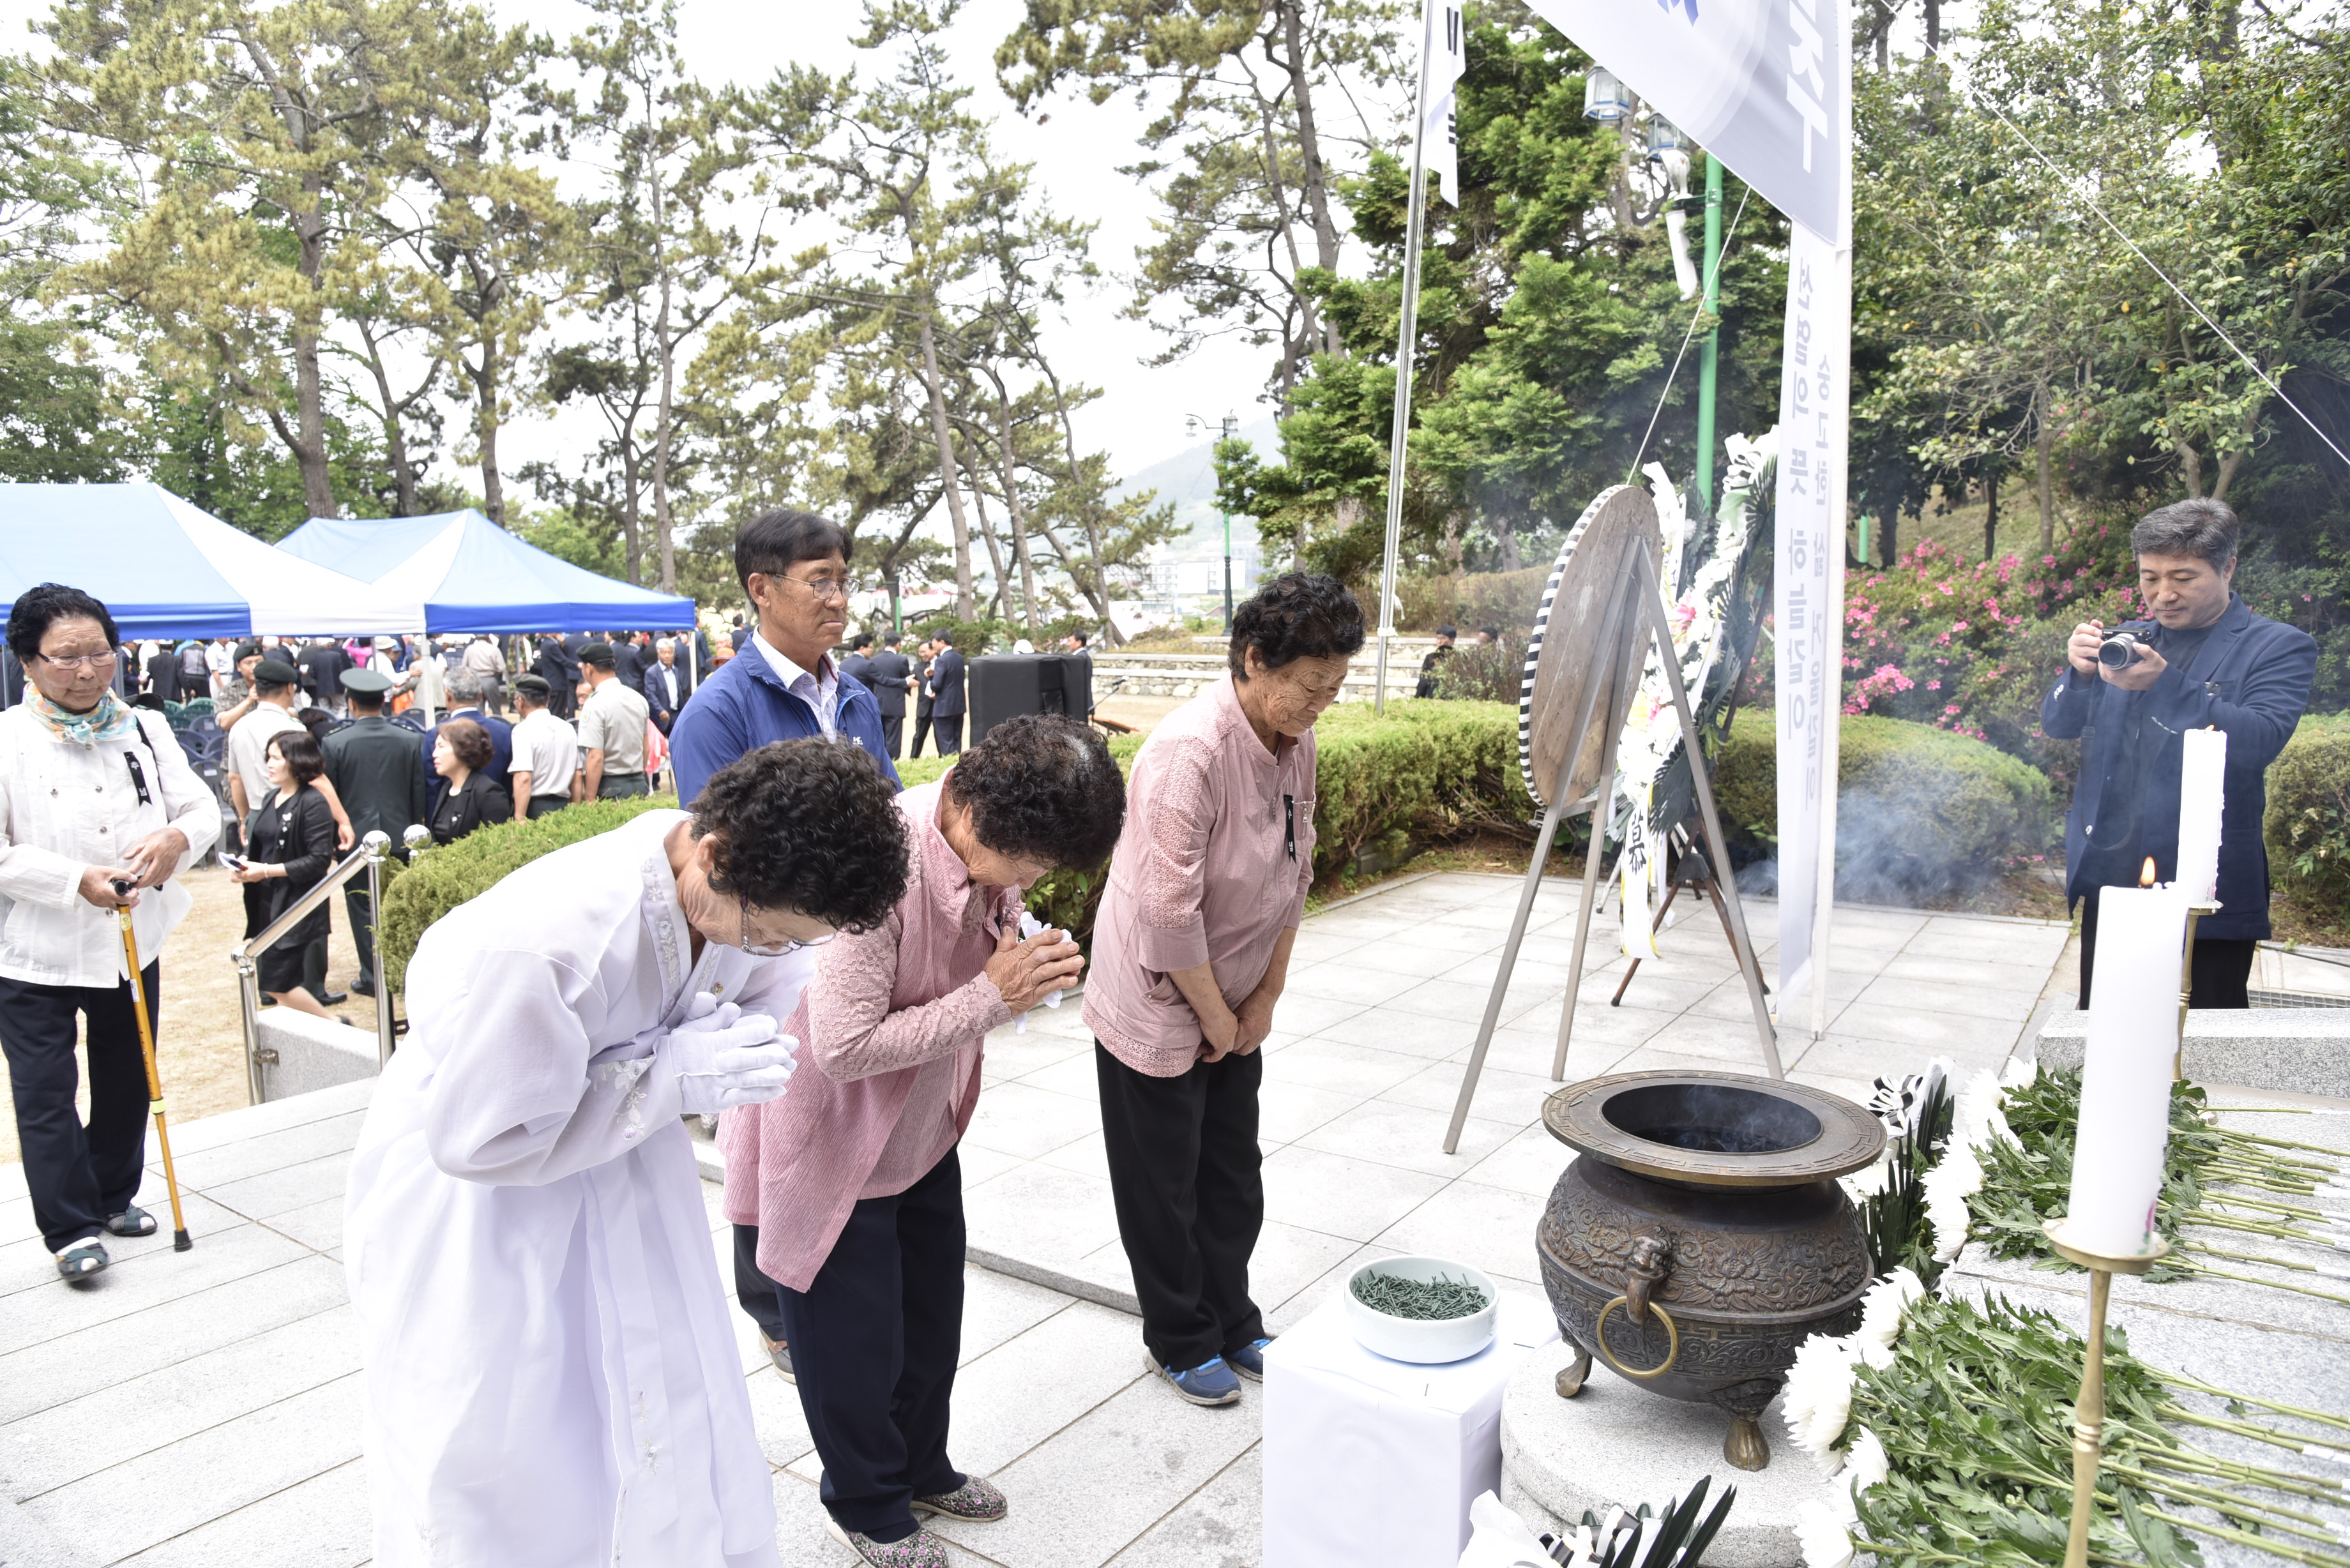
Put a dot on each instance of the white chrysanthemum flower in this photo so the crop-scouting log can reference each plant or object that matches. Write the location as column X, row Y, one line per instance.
column 1817, row 1401
column 2018, row 1073
column 1980, row 1098
column 1867, row 1466
column 1946, row 1188
column 1884, row 1307
column 1994, row 1127
column 1866, row 1183
column 1826, row 1541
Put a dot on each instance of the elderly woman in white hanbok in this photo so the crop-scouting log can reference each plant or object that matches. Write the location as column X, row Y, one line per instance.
column 551, row 1376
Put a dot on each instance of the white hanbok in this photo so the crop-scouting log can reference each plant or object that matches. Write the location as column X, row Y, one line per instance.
column 551, row 1375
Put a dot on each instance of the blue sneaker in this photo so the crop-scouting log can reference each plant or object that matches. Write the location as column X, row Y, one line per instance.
column 1249, row 1359
column 1210, row 1383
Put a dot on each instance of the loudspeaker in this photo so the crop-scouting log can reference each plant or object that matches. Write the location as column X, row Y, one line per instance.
column 1005, row 685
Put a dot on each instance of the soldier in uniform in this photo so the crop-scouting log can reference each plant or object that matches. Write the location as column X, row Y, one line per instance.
column 377, row 770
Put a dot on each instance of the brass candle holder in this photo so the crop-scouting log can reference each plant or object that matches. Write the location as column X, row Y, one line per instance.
column 2089, row 1411
column 2186, row 982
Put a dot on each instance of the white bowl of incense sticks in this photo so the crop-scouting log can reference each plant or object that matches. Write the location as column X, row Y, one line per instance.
column 1424, row 1310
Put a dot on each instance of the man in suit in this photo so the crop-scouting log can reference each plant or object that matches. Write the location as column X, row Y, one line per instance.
column 859, row 662
column 630, row 659
column 2203, row 660
column 892, row 673
column 322, row 665
column 667, row 684
column 741, row 634
column 559, row 668
column 374, row 767
column 924, row 696
column 947, row 708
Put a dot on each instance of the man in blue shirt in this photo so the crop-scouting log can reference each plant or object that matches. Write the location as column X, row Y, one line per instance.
column 781, row 686
column 2203, row 660
column 784, row 685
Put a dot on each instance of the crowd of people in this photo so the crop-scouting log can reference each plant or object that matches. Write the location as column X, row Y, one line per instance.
column 552, row 1378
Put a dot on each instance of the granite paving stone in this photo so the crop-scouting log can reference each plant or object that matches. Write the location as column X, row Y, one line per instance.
column 320, row 1523
column 1342, row 1197
column 1410, row 1137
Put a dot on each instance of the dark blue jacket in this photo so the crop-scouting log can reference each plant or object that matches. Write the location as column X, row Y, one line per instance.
column 744, row 706
column 946, row 680
column 2251, row 678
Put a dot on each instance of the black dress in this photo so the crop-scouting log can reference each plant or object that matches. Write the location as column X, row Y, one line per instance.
column 457, row 812
column 298, row 835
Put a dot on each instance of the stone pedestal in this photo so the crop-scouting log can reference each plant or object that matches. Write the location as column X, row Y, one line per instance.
column 1613, row 1443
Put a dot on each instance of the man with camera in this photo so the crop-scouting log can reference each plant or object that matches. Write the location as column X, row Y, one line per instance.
column 2203, row 659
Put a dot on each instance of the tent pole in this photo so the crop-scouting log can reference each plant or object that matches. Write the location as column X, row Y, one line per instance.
column 1405, row 337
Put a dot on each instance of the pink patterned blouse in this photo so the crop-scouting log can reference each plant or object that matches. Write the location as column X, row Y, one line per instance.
column 1215, row 862
column 891, row 1031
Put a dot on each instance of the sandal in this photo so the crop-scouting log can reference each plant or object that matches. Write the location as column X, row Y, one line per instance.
column 132, row 1221
column 82, row 1258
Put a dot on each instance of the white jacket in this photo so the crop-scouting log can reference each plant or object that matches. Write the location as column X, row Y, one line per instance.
column 65, row 808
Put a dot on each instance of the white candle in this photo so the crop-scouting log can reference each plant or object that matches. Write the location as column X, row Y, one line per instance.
column 2125, row 1075
column 2202, row 783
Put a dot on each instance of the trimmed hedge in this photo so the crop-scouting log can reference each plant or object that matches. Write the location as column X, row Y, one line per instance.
column 2308, row 821
column 1921, row 810
column 442, row 877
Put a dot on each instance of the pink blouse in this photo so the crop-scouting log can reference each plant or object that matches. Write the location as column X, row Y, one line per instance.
column 1215, row 862
column 891, row 1031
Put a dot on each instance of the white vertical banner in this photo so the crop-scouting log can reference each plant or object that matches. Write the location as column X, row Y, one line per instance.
column 1815, row 400
column 1444, row 53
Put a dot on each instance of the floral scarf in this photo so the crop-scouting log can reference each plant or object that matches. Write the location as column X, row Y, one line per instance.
column 111, row 720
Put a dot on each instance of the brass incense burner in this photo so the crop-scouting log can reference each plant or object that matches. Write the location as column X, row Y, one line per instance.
column 1701, row 1236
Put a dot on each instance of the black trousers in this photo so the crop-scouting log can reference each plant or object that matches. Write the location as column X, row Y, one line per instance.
column 875, row 1339
column 1186, row 1175
column 2220, row 971
column 893, row 729
column 759, row 1296
column 948, row 729
column 78, row 1174
column 546, row 805
column 362, row 914
column 922, row 728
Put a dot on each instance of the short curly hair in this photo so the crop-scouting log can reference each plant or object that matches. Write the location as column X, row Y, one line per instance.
column 43, row 605
column 1042, row 788
column 1297, row 615
column 469, row 742
column 808, row 826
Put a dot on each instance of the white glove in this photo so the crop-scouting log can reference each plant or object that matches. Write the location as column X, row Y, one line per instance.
column 725, row 1057
column 1030, row 926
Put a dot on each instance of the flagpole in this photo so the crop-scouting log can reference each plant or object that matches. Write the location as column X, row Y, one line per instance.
column 1406, row 335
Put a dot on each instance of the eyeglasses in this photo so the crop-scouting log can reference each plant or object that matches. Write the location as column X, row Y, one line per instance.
column 825, row 589
column 770, row 950
column 77, row 660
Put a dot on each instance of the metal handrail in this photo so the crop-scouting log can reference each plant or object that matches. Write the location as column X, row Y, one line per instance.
column 367, row 857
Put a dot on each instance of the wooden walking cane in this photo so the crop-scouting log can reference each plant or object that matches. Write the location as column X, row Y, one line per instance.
column 180, row 1242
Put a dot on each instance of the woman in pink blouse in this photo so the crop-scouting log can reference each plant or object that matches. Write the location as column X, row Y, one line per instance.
column 852, row 1179
column 1190, row 951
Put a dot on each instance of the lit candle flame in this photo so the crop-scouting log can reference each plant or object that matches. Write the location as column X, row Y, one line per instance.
column 2146, row 877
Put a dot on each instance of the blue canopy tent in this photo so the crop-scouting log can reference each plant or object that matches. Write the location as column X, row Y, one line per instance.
column 167, row 569
column 472, row 576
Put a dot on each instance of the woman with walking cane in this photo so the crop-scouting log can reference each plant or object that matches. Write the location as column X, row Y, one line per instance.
column 92, row 795
column 552, row 1379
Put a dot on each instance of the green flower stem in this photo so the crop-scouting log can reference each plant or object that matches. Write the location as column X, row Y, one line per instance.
column 2254, row 1258
column 2264, row 1514
column 2257, row 1543
column 2256, row 1279
column 2198, row 1461
column 2256, row 1227
column 2294, row 1442
column 2197, row 1386
column 2332, row 1162
column 2298, row 1211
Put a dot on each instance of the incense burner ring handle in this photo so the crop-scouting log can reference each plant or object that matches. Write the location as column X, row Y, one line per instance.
column 1672, row 1338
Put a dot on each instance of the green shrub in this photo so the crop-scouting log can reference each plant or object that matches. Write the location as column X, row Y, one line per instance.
column 1427, row 770
column 1470, row 599
column 1485, row 672
column 1921, row 810
column 2308, row 821
column 440, row 878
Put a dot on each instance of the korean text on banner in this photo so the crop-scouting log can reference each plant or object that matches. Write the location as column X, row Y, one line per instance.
column 1444, row 58
column 1760, row 84
column 1808, row 592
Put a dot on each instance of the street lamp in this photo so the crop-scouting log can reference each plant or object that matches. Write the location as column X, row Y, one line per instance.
column 1605, row 98
column 1192, row 425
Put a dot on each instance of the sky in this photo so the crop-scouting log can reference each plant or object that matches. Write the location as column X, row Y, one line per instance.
column 1140, row 421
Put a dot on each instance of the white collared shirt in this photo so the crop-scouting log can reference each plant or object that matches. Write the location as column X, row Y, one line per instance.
column 820, row 689
column 65, row 807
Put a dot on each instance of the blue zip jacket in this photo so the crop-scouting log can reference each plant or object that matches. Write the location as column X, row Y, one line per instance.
column 744, row 706
column 2251, row 678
